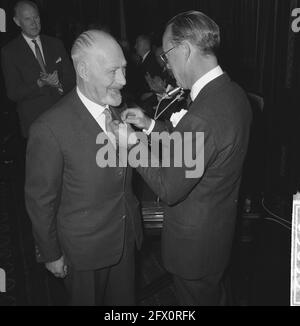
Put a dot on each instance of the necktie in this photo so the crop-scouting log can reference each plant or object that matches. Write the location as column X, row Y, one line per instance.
column 107, row 114
column 39, row 56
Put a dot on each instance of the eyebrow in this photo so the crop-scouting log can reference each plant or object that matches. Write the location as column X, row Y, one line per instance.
column 117, row 67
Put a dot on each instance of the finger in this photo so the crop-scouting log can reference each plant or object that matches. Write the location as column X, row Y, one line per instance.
column 127, row 112
column 52, row 79
column 132, row 120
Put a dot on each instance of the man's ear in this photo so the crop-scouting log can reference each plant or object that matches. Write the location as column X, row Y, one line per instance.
column 187, row 50
column 82, row 70
column 16, row 20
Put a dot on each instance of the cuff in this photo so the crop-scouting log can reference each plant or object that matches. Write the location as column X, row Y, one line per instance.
column 152, row 125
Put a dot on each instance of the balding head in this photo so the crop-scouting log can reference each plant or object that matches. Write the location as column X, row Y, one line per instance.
column 21, row 5
column 91, row 42
column 100, row 67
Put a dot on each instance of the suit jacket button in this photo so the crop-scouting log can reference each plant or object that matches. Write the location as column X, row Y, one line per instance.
column 123, row 217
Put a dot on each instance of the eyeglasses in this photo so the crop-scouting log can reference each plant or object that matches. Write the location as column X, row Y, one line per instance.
column 163, row 55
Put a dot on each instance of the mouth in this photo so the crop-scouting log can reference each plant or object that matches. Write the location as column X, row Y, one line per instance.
column 115, row 90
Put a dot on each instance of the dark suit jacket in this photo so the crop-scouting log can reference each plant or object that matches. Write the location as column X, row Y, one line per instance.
column 76, row 207
column 21, row 71
column 200, row 214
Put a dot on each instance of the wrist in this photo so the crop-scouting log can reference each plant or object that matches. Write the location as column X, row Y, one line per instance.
column 40, row 83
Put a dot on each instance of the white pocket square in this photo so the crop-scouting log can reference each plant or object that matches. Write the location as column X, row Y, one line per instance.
column 58, row 60
column 177, row 116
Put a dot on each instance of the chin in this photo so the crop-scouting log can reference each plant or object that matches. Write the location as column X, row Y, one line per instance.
column 114, row 99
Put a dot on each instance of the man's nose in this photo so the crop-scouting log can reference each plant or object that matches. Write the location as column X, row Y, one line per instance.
column 120, row 77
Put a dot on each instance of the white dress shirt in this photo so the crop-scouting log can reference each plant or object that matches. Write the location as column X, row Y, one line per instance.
column 32, row 46
column 204, row 80
column 96, row 110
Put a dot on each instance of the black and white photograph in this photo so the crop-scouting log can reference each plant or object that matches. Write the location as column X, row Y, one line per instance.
column 149, row 155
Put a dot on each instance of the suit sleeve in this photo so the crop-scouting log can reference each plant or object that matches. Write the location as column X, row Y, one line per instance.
column 68, row 73
column 174, row 183
column 17, row 90
column 44, row 169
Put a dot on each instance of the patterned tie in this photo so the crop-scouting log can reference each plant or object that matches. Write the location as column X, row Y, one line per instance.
column 107, row 114
column 39, row 56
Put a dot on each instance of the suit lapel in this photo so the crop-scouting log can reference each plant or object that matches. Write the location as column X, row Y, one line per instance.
column 89, row 123
column 27, row 53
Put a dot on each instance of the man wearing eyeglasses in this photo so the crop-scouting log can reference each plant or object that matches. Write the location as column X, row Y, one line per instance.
column 200, row 212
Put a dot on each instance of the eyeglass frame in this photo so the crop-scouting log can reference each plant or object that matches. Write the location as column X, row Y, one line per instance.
column 163, row 55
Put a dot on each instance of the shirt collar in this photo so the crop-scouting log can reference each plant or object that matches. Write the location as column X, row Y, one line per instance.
column 95, row 109
column 204, row 80
column 29, row 39
column 145, row 56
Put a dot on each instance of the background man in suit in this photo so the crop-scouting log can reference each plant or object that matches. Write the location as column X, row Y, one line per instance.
column 85, row 218
column 200, row 215
column 148, row 68
column 36, row 67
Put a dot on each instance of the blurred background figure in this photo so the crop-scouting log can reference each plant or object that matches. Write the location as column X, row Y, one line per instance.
column 36, row 68
column 148, row 67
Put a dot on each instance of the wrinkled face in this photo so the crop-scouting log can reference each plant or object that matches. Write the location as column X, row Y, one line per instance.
column 28, row 19
column 176, row 61
column 107, row 75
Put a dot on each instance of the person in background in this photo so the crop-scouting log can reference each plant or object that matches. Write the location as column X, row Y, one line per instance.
column 148, row 69
column 36, row 68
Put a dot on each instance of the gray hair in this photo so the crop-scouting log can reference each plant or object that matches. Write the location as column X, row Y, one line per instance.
column 85, row 43
column 198, row 28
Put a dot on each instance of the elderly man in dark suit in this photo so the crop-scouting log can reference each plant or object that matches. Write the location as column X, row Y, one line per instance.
column 36, row 67
column 85, row 217
column 201, row 209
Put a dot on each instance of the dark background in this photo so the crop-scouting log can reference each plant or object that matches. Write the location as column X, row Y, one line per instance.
column 259, row 51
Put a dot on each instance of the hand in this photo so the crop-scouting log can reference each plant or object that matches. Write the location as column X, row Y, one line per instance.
column 156, row 84
column 145, row 96
column 50, row 79
column 136, row 117
column 123, row 133
column 58, row 268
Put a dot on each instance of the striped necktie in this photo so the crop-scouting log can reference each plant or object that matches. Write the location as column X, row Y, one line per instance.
column 39, row 56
